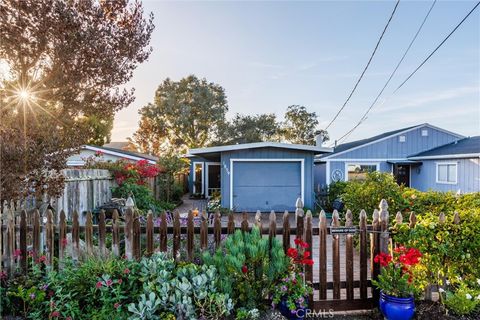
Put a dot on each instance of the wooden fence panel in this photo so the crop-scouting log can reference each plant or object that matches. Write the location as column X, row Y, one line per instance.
column 75, row 236
column 176, row 235
column 272, row 231
column 323, row 255
column 217, row 230
column 136, row 244
column 190, row 236
column 349, row 256
column 23, row 241
column 128, row 234
column 115, row 234
column 363, row 254
column 50, row 237
column 231, row 223
column 244, row 224
column 36, row 233
column 163, row 231
column 286, row 231
column 101, row 233
column 309, row 241
column 336, row 257
column 89, row 234
column 204, row 231
column 149, row 251
column 62, row 237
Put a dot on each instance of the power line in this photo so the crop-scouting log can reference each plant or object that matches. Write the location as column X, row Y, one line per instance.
column 441, row 43
column 364, row 117
column 366, row 67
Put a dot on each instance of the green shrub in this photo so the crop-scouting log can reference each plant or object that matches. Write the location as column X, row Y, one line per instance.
column 450, row 250
column 143, row 197
column 335, row 191
column 247, row 267
column 462, row 300
column 188, row 291
column 367, row 194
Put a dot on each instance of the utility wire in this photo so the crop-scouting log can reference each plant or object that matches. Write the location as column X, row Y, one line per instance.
column 441, row 43
column 366, row 67
column 364, row 117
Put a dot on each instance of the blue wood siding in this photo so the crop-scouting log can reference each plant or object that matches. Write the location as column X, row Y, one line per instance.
column 468, row 176
column 392, row 148
column 267, row 153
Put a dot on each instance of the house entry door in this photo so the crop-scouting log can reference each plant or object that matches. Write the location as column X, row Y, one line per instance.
column 402, row 174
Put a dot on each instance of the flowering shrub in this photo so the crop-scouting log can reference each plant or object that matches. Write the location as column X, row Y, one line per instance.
column 462, row 299
column 125, row 171
column 292, row 287
column 396, row 276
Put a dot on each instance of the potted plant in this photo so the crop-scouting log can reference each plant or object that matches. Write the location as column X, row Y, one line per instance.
column 290, row 295
column 396, row 283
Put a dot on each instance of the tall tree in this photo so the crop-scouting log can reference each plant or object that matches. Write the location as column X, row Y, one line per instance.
column 65, row 61
column 246, row 129
column 185, row 114
column 300, row 126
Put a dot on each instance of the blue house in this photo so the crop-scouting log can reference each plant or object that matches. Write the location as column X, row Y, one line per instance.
column 261, row 176
column 452, row 167
column 423, row 157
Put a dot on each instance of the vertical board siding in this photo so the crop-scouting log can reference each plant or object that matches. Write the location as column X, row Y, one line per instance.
column 393, row 149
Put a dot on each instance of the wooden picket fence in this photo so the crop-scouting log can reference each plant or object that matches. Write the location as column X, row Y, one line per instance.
column 23, row 233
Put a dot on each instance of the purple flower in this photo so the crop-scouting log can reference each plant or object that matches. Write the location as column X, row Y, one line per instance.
column 44, row 287
column 300, row 300
column 284, row 288
column 32, row 296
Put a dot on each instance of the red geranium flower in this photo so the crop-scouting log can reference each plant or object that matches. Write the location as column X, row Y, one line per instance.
column 99, row 284
column 383, row 258
column 116, row 305
column 108, row 283
column 244, row 269
column 55, row 314
column 292, row 253
column 126, row 271
column 119, row 281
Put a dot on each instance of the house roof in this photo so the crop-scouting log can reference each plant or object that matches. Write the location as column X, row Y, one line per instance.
column 464, row 148
column 359, row 143
column 123, row 153
column 243, row 146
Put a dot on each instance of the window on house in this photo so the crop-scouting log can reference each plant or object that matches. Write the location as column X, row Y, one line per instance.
column 447, row 173
column 424, row 133
column 402, row 138
column 359, row 171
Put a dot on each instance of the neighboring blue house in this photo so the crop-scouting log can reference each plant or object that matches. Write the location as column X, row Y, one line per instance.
column 261, row 176
column 422, row 157
column 452, row 167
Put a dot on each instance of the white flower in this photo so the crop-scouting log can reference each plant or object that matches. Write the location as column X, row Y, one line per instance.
column 468, row 296
column 477, row 297
column 441, row 290
column 478, row 281
column 459, row 278
column 447, row 282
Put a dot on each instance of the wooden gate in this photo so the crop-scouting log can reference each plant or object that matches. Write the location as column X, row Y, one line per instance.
column 342, row 253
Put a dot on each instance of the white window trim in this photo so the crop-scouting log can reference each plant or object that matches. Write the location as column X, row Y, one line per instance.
column 207, row 165
column 302, row 173
column 437, row 164
column 195, row 176
column 402, row 138
column 376, row 164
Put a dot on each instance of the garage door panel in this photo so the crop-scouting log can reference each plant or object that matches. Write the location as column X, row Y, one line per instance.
column 266, row 173
column 266, row 186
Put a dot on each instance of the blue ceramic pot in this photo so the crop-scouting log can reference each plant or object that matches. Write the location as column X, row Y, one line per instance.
column 298, row 314
column 394, row 308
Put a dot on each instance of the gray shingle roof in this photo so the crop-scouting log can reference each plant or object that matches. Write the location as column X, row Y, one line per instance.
column 469, row 145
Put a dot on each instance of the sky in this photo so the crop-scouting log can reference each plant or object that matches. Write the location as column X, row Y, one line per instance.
column 269, row 55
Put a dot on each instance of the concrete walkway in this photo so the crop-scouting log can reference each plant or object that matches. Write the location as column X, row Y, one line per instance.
column 190, row 204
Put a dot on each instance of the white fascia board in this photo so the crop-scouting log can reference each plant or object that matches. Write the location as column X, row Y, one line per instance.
column 118, row 154
column 448, row 156
column 254, row 145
